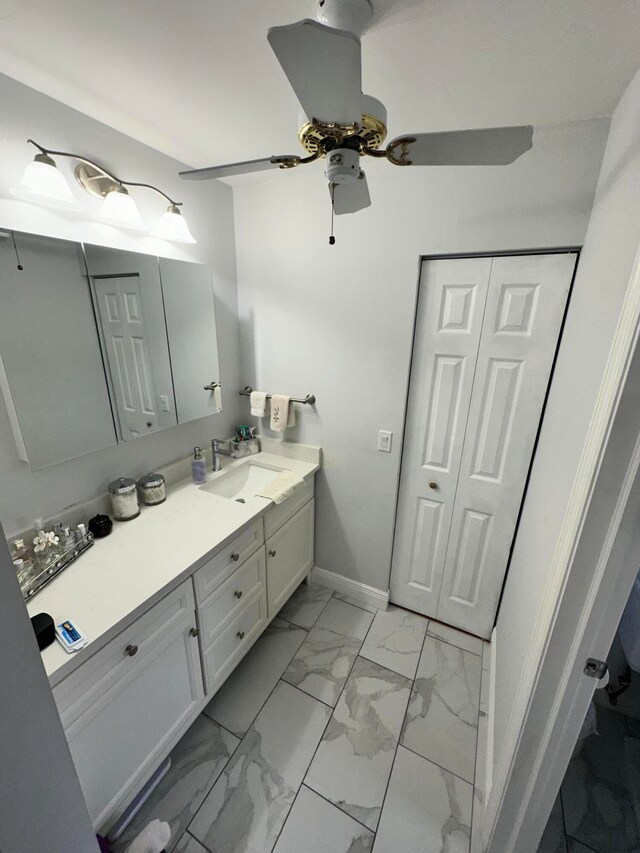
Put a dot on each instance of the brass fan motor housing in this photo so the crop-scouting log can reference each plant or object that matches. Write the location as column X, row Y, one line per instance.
column 372, row 134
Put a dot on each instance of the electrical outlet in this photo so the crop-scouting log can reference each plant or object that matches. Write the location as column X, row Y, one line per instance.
column 164, row 402
column 384, row 441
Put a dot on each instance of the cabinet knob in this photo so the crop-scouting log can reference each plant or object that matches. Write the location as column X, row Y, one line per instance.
column 194, row 632
column 149, row 424
column 238, row 593
column 433, row 485
column 131, row 650
column 240, row 635
column 272, row 553
column 235, row 557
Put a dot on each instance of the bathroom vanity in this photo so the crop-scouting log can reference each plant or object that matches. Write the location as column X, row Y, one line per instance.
column 171, row 602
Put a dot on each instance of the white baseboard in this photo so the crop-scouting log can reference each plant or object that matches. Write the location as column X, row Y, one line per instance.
column 354, row 589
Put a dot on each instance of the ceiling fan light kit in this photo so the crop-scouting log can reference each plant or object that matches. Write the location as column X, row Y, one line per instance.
column 322, row 61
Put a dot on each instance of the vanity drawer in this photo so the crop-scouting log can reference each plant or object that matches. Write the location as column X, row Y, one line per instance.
column 232, row 596
column 230, row 646
column 233, row 555
column 93, row 681
column 281, row 513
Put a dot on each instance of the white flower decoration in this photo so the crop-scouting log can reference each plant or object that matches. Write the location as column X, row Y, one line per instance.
column 45, row 540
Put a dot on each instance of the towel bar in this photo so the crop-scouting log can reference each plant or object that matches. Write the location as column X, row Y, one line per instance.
column 309, row 399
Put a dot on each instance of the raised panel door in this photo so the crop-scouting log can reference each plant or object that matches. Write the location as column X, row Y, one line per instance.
column 448, row 327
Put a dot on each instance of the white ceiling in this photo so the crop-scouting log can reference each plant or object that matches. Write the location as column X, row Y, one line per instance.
column 197, row 80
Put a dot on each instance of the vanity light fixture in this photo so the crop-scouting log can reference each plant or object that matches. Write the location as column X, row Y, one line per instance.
column 42, row 183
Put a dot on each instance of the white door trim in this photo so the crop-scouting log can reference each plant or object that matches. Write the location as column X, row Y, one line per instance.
column 549, row 707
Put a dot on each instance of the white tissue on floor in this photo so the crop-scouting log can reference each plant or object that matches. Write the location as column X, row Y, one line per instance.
column 153, row 838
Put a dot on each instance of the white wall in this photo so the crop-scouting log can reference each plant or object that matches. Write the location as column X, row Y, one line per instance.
column 209, row 211
column 42, row 804
column 603, row 275
column 338, row 321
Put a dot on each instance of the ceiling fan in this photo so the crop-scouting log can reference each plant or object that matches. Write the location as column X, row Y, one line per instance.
column 322, row 61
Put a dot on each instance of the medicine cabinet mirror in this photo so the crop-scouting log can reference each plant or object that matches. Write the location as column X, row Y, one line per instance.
column 99, row 345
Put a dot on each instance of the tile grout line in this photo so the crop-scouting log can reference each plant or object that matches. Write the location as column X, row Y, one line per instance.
column 195, row 814
column 564, row 822
column 335, row 595
column 197, row 840
column 306, row 773
column 342, row 811
column 281, row 680
column 278, row 680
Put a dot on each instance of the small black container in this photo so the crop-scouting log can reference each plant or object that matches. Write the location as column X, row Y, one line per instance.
column 44, row 629
column 100, row 526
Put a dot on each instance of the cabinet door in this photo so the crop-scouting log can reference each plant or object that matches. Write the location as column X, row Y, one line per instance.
column 117, row 739
column 51, row 371
column 191, row 327
column 289, row 556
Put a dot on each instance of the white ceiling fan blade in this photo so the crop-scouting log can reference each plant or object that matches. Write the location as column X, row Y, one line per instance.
column 351, row 196
column 230, row 169
column 491, row 146
column 324, row 68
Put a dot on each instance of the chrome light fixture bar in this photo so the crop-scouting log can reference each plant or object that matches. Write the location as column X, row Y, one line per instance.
column 42, row 183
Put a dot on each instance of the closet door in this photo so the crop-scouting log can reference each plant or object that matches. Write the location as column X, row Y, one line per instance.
column 525, row 306
column 448, row 326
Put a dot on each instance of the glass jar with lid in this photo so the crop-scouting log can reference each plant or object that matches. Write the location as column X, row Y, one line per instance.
column 152, row 489
column 124, row 499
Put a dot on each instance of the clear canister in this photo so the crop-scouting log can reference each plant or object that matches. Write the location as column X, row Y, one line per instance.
column 124, row 499
column 152, row 489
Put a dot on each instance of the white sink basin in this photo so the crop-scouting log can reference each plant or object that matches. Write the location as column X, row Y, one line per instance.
column 241, row 483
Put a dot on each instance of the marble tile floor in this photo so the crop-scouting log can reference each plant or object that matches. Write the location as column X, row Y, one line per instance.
column 594, row 812
column 344, row 730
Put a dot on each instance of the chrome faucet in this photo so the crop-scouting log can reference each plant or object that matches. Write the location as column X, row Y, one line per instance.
column 217, row 452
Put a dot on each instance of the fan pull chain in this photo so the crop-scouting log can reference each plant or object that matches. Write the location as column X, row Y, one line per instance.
column 332, row 239
column 15, row 249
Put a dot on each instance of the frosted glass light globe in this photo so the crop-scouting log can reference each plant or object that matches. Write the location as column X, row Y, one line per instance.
column 172, row 226
column 119, row 209
column 43, row 183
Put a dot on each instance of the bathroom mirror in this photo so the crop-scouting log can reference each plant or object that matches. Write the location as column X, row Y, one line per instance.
column 99, row 345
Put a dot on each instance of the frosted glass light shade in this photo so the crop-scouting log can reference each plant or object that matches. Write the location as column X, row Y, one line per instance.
column 172, row 226
column 119, row 209
column 42, row 183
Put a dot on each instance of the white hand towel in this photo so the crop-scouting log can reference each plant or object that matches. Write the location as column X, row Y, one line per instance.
column 153, row 838
column 259, row 404
column 281, row 488
column 280, row 412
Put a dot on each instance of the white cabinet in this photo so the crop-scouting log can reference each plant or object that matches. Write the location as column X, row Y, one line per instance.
column 129, row 702
column 126, row 706
column 289, row 556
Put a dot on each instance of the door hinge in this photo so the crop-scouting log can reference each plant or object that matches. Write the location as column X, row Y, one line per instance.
column 595, row 668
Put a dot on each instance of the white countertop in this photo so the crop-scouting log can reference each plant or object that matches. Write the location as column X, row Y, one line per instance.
column 125, row 573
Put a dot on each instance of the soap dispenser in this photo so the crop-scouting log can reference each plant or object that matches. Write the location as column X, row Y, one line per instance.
column 198, row 467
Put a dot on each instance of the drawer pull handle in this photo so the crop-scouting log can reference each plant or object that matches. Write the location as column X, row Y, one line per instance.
column 240, row 635
column 238, row 593
column 272, row 553
column 433, row 485
column 131, row 651
column 235, row 557
column 194, row 632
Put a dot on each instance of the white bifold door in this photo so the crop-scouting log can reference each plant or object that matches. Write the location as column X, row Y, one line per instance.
column 486, row 335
